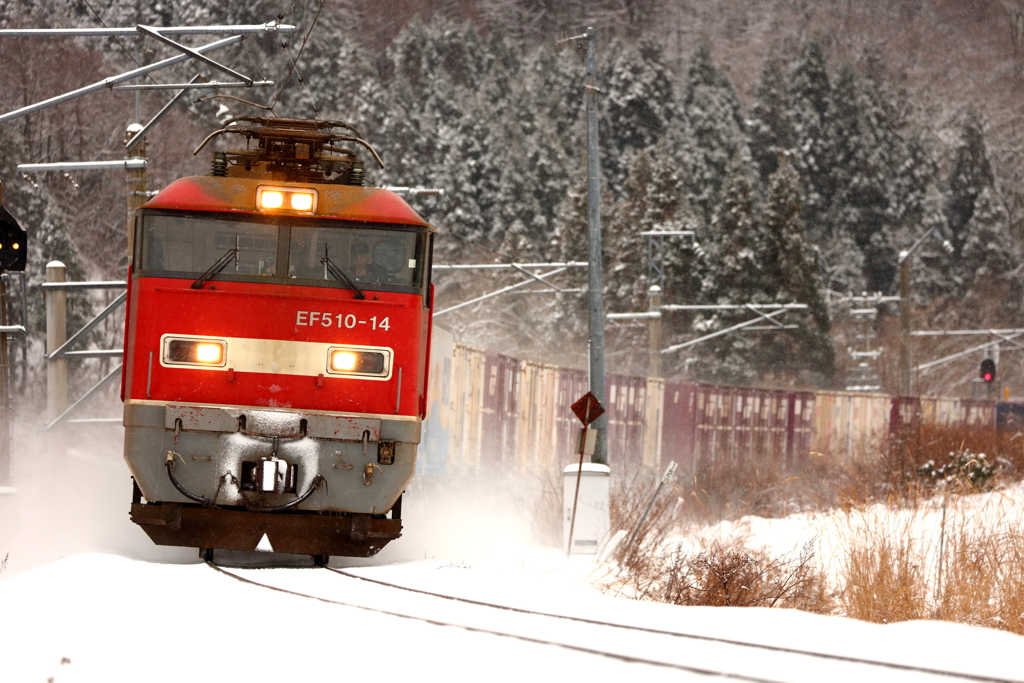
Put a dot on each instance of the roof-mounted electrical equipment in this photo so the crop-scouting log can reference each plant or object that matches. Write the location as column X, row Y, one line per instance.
column 292, row 150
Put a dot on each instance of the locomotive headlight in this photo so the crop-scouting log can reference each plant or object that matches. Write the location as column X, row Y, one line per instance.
column 209, row 353
column 302, row 201
column 271, row 199
column 343, row 361
column 296, row 199
column 359, row 362
column 194, row 352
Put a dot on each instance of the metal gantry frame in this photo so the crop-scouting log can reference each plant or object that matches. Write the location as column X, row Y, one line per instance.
column 656, row 253
column 1003, row 335
column 904, row 299
column 59, row 345
column 553, row 268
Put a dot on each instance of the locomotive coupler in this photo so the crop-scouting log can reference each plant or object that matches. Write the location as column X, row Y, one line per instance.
column 269, row 475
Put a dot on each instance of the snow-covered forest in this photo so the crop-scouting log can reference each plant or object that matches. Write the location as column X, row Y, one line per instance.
column 806, row 144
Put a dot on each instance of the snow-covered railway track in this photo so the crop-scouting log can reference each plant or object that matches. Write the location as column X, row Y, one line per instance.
column 695, row 654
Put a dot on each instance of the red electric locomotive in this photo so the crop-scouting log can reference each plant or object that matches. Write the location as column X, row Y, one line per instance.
column 276, row 343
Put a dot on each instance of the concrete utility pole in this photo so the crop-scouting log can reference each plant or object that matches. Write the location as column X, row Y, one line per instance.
column 56, row 370
column 654, row 333
column 904, row 263
column 596, row 304
column 136, row 182
column 904, row 324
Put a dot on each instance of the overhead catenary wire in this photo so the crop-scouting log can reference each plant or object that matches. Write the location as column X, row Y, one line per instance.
column 305, row 40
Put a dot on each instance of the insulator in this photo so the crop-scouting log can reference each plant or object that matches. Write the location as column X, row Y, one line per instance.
column 220, row 165
column 358, row 173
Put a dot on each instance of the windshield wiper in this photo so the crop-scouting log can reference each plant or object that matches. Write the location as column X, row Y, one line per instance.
column 221, row 264
column 338, row 274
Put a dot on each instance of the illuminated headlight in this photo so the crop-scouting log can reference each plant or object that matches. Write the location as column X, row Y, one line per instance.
column 270, row 199
column 298, row 199
column 359, row 362
column 302, row 201
column 194, row 352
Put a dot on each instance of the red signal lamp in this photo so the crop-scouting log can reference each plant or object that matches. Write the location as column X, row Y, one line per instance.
column 988, row 370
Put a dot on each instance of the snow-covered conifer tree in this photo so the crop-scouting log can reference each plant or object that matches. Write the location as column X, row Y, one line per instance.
column 970, row 174
column 639, row 106
column 792, row 271
column 989, row 254
column 862, row 178
column 712, row 132
column 769, row 125
column 811, row 107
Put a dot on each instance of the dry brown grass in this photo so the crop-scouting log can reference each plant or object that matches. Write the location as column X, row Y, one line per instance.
column 984, row 582
column 891, row 553
column 884, row 581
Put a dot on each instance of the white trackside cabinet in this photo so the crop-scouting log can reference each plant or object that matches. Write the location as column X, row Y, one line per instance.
column 591, row 528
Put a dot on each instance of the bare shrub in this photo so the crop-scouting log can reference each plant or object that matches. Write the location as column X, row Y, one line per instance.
column 729, row 575
column 628, row 500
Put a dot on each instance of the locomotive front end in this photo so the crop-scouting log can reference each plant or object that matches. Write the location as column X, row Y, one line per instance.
column 276, row 349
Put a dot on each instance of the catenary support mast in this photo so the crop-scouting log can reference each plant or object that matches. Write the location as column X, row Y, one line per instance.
column 596, row 305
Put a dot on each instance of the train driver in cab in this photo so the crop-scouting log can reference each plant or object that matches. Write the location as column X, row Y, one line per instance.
column 362, row 268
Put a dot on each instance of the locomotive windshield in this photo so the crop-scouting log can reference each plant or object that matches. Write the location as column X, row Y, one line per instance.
column 300, row 251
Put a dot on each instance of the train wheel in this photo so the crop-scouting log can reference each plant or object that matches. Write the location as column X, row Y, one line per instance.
column 321, row 560
column 206, row 554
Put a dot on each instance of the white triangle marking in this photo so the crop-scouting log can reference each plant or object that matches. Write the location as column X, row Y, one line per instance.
column 264, row 545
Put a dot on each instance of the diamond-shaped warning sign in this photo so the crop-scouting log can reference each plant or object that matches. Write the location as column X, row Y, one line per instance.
column 588, row 408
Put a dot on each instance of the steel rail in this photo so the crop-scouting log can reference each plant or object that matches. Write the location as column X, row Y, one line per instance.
column 516, row 636
column 688, row 636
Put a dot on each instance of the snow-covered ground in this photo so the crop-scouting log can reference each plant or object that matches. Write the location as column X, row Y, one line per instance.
column 87, row 598
column 97, row 617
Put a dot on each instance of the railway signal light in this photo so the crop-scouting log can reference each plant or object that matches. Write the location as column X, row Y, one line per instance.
column 13, row 242
column 988, row 370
